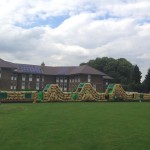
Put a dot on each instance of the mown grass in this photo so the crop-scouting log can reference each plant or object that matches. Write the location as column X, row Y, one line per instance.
column 75, row 126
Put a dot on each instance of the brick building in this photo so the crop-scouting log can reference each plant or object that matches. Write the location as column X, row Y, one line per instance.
column 33, row 77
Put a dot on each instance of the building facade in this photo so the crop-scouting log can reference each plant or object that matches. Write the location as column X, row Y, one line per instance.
column 33, row 77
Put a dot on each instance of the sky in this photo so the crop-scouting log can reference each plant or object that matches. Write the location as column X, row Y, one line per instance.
column 69, row 32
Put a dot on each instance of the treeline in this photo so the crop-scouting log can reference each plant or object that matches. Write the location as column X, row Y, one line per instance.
column 123, row 72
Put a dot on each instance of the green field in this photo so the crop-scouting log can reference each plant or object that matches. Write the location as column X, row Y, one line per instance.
column 75, row 126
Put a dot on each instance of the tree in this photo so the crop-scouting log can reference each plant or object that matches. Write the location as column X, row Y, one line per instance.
column 146, row 82
column 120, row 69
column 124, row 69
column 136, row 75
column 135, row 83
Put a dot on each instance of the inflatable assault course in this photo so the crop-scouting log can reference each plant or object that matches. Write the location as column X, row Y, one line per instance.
column 84, row 92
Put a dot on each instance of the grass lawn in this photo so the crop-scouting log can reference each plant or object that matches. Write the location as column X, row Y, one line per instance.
column 75, row 126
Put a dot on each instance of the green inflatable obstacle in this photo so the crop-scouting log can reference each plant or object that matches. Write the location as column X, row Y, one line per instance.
column 40, row 96
column 46, row 87
column 28, row 95
column 3, row 95
column 74, row 96
column 110, row 88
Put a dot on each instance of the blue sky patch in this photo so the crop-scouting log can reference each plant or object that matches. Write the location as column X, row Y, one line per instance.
column 106, row 16
column 144, row 21
column 53, row 22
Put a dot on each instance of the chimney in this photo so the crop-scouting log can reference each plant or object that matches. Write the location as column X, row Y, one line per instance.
column 42, row 64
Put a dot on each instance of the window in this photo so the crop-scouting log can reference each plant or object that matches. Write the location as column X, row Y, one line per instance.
column 30, row 77
column 0, row 72
column 89, row 78
column 61, row 86
column 14, row 87
column 57, row 79
column 15, row 70
column 12, row 77
column 28, row 85
column 65, row 79
column 38, row 78
column 42, row 78
column 11, row 87
column 15, row 78
column 23, row 77
column 42, row 85
column 61, row 79
column 37, row 86
column 76, row 79
column 65, row 87
column 94, row 86
column 72, row 80
column 23, row 85
column 79, row 79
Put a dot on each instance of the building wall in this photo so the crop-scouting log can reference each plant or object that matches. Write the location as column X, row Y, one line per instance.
column 63, row 82
column 34, row 81
column 10, row 80
column 74, row 81
column 49, row 79
column 14, row 81
column 5, row 79
column 95, row 80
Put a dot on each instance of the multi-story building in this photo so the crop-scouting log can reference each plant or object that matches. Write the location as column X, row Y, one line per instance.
column 33, row 77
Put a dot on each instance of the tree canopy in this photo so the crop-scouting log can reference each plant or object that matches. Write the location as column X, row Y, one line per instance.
column 146, row 82
column 136, row 75
column 122, row 71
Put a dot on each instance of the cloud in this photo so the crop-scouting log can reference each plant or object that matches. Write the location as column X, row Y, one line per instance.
column 71, row 32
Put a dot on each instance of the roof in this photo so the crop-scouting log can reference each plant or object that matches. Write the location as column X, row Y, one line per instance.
column 107, row 77
column 58, row 70
column 6, row 64
column 49, row 70
column 24, row 68
column 64, row 70
column 85, row 69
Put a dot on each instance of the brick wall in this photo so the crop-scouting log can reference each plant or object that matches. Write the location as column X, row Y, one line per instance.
column 72, row 81
column 5, row 80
